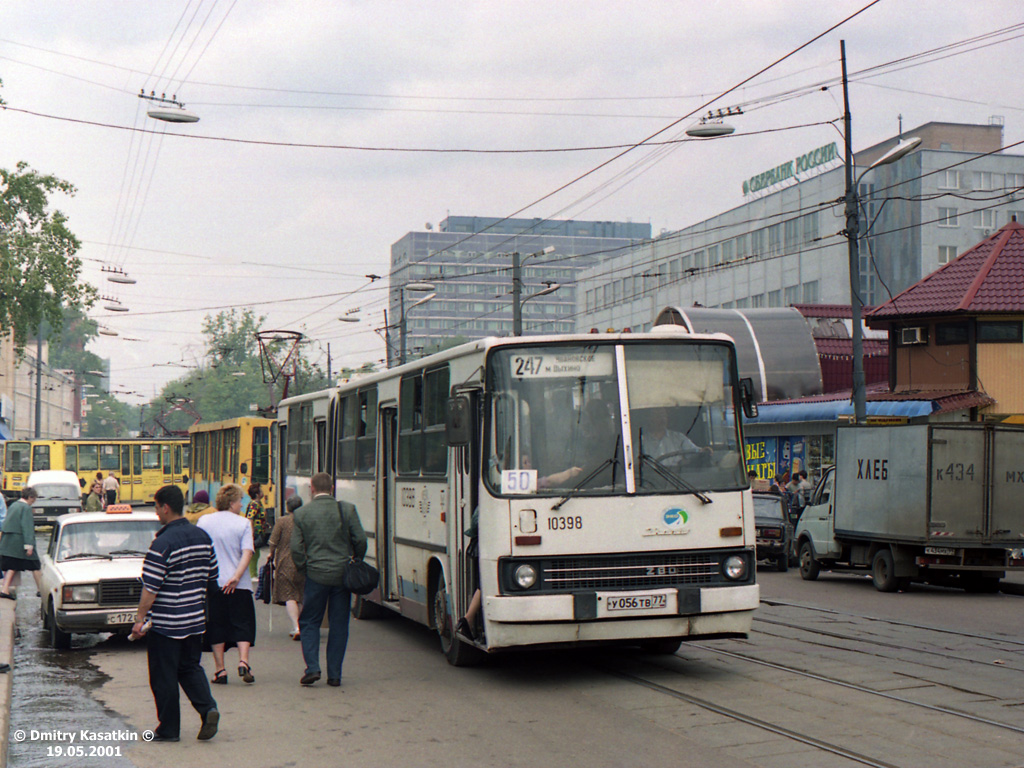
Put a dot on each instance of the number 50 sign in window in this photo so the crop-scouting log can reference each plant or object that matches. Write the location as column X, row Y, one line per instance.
column 518, row 481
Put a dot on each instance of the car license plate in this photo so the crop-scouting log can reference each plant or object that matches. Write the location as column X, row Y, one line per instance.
column 121, row 618
column 939, row 551
column 636, row 603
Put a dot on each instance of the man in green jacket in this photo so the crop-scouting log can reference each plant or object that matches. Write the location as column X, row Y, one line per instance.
column 326, row 536
column 18, row 543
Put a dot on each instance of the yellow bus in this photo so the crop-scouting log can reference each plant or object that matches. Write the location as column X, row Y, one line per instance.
column 141, row 465
column 233, row 451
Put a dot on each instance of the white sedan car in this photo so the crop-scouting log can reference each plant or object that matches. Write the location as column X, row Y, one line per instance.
column 92, row 572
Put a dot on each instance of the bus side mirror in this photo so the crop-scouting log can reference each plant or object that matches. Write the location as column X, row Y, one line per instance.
column 459, row 426
column 748, row 398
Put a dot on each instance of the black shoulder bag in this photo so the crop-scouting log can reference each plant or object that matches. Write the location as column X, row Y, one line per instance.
column 360, row 578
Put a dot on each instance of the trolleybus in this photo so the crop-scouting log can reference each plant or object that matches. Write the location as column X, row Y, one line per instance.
column 606, row 471
column 233, row 451
column 141, row 465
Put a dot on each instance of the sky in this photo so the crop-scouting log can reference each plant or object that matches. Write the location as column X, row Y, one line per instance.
column 329, row 129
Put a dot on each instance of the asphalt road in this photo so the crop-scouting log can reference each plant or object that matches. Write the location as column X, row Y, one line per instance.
column 835, row 674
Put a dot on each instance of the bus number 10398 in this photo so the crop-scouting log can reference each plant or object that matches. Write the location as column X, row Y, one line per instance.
column 565, row 523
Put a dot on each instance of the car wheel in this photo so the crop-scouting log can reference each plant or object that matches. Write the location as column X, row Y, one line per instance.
column 59, row 639
column 809, row 568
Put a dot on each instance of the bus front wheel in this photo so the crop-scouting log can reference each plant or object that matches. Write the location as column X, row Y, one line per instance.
column 458, row 652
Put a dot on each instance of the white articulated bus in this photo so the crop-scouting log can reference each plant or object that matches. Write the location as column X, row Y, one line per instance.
column 606, row 471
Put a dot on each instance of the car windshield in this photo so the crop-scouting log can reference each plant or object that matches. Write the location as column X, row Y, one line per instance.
column 58, row 492
column 768, row 509
column 106, row 538
column 556, row 424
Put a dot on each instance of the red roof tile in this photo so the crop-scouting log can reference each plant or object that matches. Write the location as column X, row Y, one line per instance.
column 988, row 278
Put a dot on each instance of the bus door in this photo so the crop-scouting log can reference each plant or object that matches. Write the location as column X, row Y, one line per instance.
column 167, row 460
column 126, row 476
column 151, row 474
column 465, row 482
column 387, row 426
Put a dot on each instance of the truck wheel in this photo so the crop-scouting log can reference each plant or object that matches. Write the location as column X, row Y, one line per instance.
column 58, row 638
column 782, row 563
column 883, row 572
column 809, row 568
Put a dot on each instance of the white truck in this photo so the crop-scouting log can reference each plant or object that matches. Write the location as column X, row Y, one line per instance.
column 934, row 502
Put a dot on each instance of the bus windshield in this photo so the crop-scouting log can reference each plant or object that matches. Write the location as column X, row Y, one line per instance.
column 555, row 423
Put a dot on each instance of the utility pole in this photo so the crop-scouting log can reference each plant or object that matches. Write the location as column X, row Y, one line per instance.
column 39, row 381
column 852, row 235
column 517, row 292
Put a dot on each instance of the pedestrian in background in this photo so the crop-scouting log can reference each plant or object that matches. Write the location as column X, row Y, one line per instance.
column 200, row 506
column 93, row 502
column 327, row 534
column 231, row 615
column 175, row 576
column 257, row 517
column 288, row 583
column 110, row 488
column 18, row 543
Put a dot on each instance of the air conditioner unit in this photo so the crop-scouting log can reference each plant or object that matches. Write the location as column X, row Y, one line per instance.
column 913, row 336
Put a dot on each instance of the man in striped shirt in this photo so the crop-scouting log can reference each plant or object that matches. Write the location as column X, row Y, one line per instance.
column 179, row 565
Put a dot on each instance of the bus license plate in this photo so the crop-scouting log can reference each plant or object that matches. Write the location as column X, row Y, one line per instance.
column 121, row 618
column 636, row 603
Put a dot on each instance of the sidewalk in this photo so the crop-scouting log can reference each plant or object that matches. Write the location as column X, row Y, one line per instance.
column 7, row 657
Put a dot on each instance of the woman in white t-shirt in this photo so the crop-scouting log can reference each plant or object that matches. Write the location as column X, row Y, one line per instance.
column 230, row 614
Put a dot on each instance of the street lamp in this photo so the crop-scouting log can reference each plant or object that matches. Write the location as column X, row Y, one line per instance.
column 517, row 288
column 551, row 287
column 414, row 288
column 852, row 233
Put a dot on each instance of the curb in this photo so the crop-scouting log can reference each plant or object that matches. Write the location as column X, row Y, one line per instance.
column 7, row 624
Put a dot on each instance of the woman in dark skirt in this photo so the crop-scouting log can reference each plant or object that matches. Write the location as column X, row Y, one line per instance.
column 230, row 614
column 18, row 543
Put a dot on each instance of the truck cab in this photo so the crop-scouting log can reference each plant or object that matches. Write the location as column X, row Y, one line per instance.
column 815, row 531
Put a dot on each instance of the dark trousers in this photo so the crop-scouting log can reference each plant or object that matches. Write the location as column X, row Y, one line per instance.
column 111, row 497
column 337, row 602
column 173, row 663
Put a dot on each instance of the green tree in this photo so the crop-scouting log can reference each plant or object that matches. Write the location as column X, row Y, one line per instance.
column 229, row 383
column 39, row 272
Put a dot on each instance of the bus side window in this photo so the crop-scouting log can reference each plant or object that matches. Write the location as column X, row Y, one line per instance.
column 71, row 458
column 40, row 457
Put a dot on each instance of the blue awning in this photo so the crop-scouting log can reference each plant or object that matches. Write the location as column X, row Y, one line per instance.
column 6, row 433
column 833, row 410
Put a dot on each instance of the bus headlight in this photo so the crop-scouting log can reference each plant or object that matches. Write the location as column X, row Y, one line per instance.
column 734, row 568
column 525, row 575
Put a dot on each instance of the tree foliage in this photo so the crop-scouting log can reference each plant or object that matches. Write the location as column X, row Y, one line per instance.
column 229, row 382
column 39, row 272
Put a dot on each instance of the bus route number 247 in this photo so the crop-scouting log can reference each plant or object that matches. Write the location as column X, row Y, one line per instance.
column 565, row 523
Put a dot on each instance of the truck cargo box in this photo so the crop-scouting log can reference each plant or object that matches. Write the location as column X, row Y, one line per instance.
column 938, row 484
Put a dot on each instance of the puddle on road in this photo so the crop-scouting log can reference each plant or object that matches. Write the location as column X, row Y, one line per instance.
column 52, row 695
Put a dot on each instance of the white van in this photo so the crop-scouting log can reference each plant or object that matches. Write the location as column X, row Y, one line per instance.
column 59, row 493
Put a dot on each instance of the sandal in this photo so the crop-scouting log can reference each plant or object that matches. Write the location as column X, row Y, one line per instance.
column 245, row 672
column 296, row 635
column 220, row 677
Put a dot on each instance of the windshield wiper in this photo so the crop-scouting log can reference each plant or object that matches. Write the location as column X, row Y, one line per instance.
column 128, row 552
column 79, row 555
column 613, row 461
column 671, row 477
